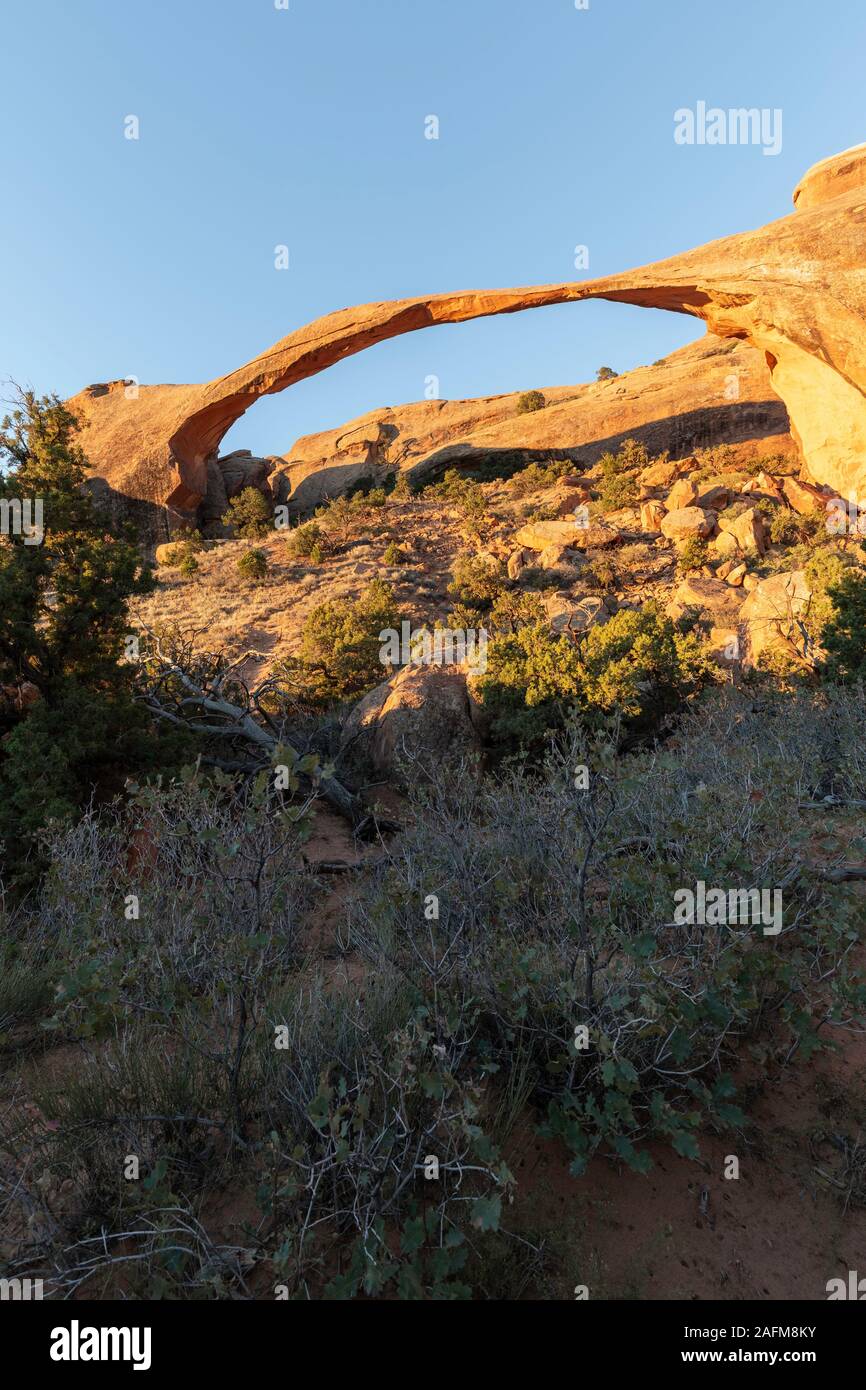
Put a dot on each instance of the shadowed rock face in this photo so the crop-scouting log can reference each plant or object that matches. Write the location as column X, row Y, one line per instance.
column 708, row 393
column 795, row 289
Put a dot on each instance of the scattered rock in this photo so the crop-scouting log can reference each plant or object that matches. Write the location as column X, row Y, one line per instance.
column 688, row 522
column 712, row 597
column 803, row 497
column 683, row 494
column 748, row 530
column 665, row 474
column 651, row 516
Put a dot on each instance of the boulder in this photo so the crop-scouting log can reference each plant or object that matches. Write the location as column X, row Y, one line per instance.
column 749, row 531
column 415, row 722
column 689, row 522
column 241, row 470
column 764, row 485
column 682, row 494
column 539, row 535
column 565, row 501
column 725, row 544
column 736, row 576
column 557, row 556
column 665, row 474
column 518, row 561
column 713, row 598
column 715, row 499
column 770, row 612
column 651, row 517
column 567, row 616
column 803, row 497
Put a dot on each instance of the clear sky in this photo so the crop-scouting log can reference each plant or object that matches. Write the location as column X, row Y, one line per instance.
column 305, row 127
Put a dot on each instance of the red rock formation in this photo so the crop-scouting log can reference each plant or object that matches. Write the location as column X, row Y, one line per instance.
column 794, row 289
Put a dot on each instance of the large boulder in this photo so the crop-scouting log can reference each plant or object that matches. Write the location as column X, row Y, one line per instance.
column 682, row 494
column 415, row 722
column 714, row 600
column 540, row 535
column 241, row 470
column 748, row 530
column 770, row 614
column 688, row 523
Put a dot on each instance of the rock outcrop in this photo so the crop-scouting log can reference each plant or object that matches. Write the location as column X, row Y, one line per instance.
column 794, row 289
column 413, row 723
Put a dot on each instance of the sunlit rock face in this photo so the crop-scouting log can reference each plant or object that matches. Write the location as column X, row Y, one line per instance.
column 795, row 290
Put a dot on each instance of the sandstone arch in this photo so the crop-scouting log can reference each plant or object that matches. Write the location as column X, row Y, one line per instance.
column 795, row 289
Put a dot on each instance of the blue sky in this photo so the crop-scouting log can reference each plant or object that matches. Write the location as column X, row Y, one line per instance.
column 306, row 127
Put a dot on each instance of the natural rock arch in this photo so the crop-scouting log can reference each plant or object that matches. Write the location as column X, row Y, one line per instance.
column 795, row 289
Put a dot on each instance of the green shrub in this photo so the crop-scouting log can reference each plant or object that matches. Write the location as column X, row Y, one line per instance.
column 641, row 666
column 532, row 679
column 173, row 556
column 788, row 527
column 250, row 514
column 530, row 402
column 605, row 374
column 843, row 636
column 638, row 666
column 600, row 573
column 477, row 579
column 303, row 541
column 64, row 625
column 692, row 555
column 393, row 555
column 535, row 476
column 188, row 567
column 340, row 646
column 619, row 486
column 253, row 565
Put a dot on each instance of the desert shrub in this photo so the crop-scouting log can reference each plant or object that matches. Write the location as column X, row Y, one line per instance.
column 640, row 666
column 340, row 647
column 667, row 1010
column 464, row 494
column 843, row 636
column 250, row 514
column 188, row 567
column 618, row 486
column 532, row 678
column 530, row 402
column 305, row 540
column 512, row 610
column 393, row 555
column 692, row 555
column 477, row 580
column 339, row 520
column 550, row 985
column 600, row 573
column 187, row 547
column 64, row 621
column 402, row 491
column 535, row 476
column 253, row 564
column 605, row 374
column 788, row 527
